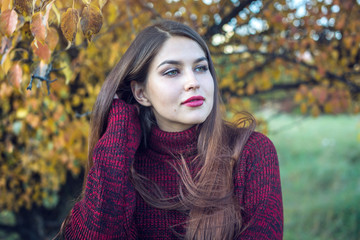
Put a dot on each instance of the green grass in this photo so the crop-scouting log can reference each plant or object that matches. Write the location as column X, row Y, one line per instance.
column 320, row 173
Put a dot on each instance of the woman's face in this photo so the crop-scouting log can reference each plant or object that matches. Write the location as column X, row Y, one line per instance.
column 179, row 86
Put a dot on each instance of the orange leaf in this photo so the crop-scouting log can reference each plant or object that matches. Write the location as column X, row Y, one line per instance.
column 24, row 7
column 91, row 21
column 69, row 21
column 37, row 27
column 41, row 50
column 15, row 75
column 8, row 21
column 52, row 38
column 250, row 89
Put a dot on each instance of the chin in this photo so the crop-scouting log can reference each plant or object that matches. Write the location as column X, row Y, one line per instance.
column 197, row 121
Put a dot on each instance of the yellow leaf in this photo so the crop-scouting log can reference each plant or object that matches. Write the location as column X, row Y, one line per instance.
column 250, row 89
column 57, row 13
column 348, row 42
column 52, row 38
column 303, row 108
column 5, row 5
column 102, row 3
column 6, row 64
column 277, row 74
column 298, row 97
column 91, row 21
column 21, row 113
column 315, row 111
column 69, row 23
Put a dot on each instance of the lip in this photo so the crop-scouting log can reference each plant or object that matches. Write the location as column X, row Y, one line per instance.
column 194, row 101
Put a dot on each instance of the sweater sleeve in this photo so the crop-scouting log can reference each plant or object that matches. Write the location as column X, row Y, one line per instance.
column 257, row 183
column 106, row 211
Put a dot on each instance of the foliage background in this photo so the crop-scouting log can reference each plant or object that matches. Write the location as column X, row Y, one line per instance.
column 295, row 57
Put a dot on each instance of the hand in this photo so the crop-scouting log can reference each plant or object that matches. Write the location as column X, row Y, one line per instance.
column 136, row 104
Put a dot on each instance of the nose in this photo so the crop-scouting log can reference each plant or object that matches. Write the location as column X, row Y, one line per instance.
column 191, row 82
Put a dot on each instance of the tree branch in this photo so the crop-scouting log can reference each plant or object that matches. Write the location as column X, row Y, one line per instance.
column 217, row 28
column 46, row 78
column 149, row 8
column 276, row 87
column 354, row 88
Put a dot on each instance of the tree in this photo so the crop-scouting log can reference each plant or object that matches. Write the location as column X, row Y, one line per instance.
column 309, row 54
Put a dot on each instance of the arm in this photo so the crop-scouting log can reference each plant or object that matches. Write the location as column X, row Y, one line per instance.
column 106, row 211
column 257, row 182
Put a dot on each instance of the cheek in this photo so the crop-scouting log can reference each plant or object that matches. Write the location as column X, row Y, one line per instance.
column 163, row 98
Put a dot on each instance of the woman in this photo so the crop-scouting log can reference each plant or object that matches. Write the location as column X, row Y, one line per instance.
column 162, row 162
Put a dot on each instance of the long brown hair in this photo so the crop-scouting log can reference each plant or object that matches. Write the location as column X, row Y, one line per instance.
column 208, row 197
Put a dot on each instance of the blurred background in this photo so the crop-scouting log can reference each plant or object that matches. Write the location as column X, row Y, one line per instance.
column 294, row 64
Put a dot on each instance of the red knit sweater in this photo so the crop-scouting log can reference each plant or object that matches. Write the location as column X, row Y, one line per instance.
column 111, row 209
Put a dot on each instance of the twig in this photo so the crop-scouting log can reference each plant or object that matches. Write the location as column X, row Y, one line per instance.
column 46, row 78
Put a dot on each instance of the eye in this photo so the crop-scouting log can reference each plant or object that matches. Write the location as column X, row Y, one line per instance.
column 201, row 68
column 171, row 72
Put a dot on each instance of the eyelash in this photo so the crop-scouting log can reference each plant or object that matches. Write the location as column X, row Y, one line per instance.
column 203, row 68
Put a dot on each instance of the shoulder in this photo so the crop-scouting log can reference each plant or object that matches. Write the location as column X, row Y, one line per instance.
column 258, row 141
column 259, row 150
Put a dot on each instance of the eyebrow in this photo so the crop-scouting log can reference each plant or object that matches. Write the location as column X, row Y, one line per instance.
column 174, row 62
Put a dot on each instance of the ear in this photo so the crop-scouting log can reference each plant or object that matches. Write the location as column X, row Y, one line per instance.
column 138, row 90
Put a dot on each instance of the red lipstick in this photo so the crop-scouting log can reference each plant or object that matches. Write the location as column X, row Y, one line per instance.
column 194, row 101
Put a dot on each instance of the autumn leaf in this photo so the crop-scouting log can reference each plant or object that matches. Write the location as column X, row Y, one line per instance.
column 24, row 7
column 52, row 38
column 41, row 50
column 8, row 21
column 250, row 89
column 303, row 108
column 91, row 21
column 47, row 12
column 15, row 75
column 102, row 3
column 37, row 27
column 5, row 5
column 315, row 111
column 46, row 3
column 69, row 21
column 294, row 52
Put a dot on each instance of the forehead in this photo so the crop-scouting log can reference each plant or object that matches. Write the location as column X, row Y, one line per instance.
column 179, row 49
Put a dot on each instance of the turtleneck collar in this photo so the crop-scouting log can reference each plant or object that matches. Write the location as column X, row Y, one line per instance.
column 184, row 143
